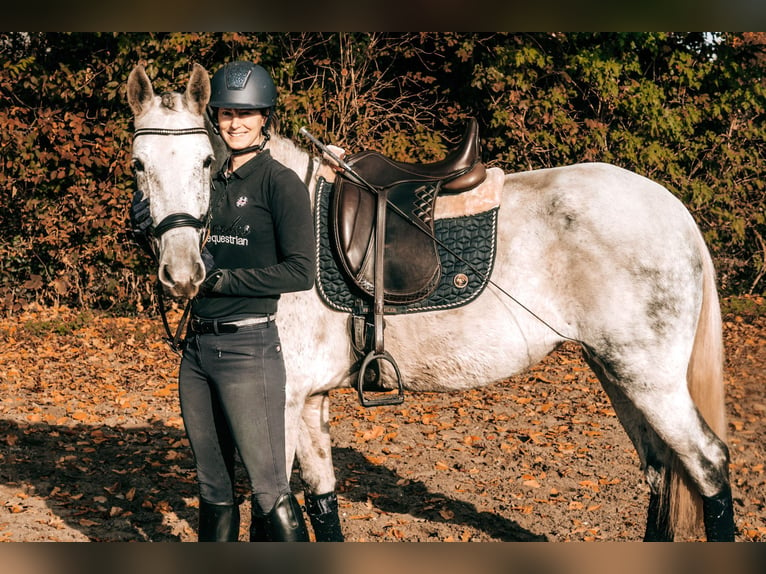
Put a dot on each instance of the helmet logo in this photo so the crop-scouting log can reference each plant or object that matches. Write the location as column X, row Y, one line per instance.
column 236, row 77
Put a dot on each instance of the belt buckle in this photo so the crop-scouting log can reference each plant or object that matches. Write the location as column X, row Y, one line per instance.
column 228, row 327
column 204, row 327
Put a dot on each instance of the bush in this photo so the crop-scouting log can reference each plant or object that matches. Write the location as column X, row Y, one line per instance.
column 684, row 109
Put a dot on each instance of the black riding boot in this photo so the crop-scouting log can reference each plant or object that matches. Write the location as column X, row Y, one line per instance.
column 323, row 513
column 218, row 522
column 259, row 528
column 285, row 523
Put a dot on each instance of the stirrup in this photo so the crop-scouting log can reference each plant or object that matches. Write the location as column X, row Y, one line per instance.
column 387, row 399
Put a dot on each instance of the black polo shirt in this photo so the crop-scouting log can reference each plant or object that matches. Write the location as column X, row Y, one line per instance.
column 261, row 237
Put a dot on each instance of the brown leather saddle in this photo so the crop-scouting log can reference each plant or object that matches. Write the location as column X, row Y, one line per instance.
column 382, row 223
column 410, row 260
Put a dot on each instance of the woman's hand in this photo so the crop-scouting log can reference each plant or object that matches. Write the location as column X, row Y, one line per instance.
column 339, row 152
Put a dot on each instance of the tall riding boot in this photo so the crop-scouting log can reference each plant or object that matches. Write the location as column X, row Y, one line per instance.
column 323, row 513
column 259, row 527
column 218, row 522
column 285, row 521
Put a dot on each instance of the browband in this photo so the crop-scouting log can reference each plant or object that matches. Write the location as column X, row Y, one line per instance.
column 169, row 132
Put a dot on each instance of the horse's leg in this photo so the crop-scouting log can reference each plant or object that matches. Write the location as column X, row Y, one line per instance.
column 665, row 405
column 703, row 456
column 654, row 456
column 314, row 452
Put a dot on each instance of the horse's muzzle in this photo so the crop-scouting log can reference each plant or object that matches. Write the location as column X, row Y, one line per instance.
column 182, row 280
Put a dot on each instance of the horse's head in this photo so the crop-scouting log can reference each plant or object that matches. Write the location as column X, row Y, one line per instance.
column 172, row 156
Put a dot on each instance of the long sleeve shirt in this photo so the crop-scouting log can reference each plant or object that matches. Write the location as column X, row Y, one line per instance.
column 261, row 238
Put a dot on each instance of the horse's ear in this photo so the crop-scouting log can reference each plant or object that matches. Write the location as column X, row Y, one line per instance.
column 198, row 90
column 140, row 92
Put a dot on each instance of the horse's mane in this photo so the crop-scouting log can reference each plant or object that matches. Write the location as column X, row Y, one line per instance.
column 286, row 150
column 290, row 154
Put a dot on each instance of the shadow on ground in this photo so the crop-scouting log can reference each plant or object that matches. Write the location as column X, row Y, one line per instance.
column 138, row 484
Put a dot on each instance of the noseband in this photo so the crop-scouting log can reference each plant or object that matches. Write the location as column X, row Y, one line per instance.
column 173, row 221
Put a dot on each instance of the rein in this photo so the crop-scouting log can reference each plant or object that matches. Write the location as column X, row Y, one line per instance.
column 174, row 221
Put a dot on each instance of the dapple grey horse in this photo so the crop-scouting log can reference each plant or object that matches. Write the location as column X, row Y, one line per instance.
column 602, row 256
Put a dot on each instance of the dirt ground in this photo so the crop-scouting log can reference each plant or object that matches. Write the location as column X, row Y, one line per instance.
column 92, row 446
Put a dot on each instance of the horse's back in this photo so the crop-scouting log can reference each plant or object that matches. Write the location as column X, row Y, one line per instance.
column 599, row 210
column 599, row 193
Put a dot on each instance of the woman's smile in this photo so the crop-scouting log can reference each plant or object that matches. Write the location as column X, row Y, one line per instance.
column 241, row 128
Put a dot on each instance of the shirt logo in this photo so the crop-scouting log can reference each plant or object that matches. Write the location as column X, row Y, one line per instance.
column 242, row 201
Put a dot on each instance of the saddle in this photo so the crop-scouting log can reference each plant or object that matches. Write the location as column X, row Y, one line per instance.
column 382, row 223
column 400, row 211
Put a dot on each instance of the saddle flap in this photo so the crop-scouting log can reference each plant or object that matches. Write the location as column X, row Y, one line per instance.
column 411, row 259
column 354, row 222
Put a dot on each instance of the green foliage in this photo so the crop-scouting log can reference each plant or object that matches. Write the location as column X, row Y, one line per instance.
column 676, row 108
column 745, row 308
column 58, row 325
column 684, row 109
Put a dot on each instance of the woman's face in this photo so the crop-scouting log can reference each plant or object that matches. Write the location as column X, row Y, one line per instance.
column 241, row 128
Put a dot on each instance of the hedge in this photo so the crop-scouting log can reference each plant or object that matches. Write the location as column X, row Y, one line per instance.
column 684, row 109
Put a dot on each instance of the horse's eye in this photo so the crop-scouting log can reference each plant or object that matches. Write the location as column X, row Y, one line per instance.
column 137, row 165
column 208, row 162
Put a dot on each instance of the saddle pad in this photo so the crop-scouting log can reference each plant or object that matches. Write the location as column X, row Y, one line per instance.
column 466, row 261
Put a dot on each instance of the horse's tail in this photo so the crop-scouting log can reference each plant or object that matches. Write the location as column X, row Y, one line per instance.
column 705, row 380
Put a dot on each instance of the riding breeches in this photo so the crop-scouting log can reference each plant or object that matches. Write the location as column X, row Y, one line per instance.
column 232, row 392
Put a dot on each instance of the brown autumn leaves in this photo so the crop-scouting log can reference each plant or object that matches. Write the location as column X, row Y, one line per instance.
column 92, row 445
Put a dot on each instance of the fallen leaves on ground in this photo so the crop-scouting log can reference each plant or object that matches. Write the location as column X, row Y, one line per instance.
column 92, row 446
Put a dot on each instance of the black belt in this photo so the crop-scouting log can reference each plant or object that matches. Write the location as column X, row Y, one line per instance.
column 203, row 326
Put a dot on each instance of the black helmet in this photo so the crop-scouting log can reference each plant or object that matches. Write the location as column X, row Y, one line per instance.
column 242, row 85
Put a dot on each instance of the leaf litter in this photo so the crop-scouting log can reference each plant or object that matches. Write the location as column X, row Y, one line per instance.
column 92, row 446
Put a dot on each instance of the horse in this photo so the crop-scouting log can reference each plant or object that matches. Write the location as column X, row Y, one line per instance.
column 589, row 252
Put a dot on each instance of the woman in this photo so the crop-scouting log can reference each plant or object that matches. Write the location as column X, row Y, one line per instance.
column 232, row 375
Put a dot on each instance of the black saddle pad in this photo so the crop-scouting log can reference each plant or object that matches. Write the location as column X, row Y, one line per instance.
column 467, row 258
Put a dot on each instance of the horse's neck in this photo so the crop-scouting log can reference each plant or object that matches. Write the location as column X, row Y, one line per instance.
column 298, row 160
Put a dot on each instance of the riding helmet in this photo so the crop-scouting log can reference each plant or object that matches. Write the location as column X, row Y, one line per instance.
column 242, row 85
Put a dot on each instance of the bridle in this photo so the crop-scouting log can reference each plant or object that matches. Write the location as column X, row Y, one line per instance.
column 174, row 221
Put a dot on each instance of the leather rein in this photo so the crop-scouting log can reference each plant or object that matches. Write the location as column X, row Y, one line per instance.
column 174, row 221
